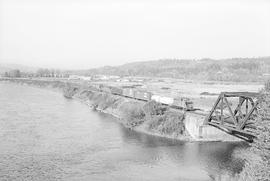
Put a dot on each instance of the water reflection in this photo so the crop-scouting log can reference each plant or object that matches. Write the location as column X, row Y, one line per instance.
column 214, row 157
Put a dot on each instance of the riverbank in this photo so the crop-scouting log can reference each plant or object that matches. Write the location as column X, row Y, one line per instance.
column 147, row 117
column 150, row 118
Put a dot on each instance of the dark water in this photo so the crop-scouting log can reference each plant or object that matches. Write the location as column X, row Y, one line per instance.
column 44, row 136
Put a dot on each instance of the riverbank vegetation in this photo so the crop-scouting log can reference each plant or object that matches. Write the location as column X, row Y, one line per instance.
column 163, row 120
column 152, row 116
column 257, row 167
column 133, row 114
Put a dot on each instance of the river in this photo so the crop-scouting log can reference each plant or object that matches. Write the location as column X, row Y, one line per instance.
column 44, row 136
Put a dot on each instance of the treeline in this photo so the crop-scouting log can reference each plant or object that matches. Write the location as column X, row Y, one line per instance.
column 16, row 73
column 13, row 73
column 51, row 73
column 236, row 69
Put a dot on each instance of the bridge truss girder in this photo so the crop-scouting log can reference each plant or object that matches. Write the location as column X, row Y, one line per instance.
column 237, row 120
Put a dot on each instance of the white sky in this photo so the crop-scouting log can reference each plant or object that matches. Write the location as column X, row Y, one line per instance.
column 85, row 34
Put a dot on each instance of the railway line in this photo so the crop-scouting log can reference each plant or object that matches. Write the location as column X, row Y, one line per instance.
column 237, row 120
column 143, row 95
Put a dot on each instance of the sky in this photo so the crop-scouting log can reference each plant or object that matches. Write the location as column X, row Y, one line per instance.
column 81, row 34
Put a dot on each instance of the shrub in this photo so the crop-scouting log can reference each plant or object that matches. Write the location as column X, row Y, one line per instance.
column 155, row 122
column 106, row 101
column 102, row 100
column 258, row 167
column 69, row 90
column 133, row 113
column 168, row 123
column 84, row 94
column 152, row 108
column 173, row 124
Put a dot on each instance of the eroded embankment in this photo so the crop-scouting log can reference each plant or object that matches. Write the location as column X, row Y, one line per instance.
column 148, row 117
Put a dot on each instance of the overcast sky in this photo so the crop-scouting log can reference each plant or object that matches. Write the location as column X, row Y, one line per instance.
column 86, row 34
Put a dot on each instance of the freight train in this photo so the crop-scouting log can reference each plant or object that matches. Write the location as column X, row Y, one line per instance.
column 132, row 92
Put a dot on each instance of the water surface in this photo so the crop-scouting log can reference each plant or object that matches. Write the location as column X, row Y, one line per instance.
column 44, row 136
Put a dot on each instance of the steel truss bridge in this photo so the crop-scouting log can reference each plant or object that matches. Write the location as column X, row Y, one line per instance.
column 235, row 113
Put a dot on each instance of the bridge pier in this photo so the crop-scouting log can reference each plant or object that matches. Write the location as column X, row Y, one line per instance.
column 200, row 132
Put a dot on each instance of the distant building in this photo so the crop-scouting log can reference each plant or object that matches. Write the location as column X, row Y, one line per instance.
column 78, row 77
column 73, row 77
column 266, row 75
column 106, row 77
column 85, row 78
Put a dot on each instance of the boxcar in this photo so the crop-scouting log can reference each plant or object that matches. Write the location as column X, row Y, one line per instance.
column 142, row 95
column 129, row 92
column 166, row 100
column 178, row 103
column 183, row 103
column 163, row 99
column 127, row 86
column 156, row 98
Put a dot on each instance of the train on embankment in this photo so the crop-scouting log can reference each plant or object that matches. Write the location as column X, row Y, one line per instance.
column 143, row 95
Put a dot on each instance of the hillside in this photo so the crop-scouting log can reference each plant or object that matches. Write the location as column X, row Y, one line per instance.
column 235, row 69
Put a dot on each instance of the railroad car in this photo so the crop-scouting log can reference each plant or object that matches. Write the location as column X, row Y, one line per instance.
column 166, row 100
column 183, row 103
column 142, row 95
column 178, row 102
column 128, row 92
column 127, row 86
column 155, row 98
column 162, row 99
